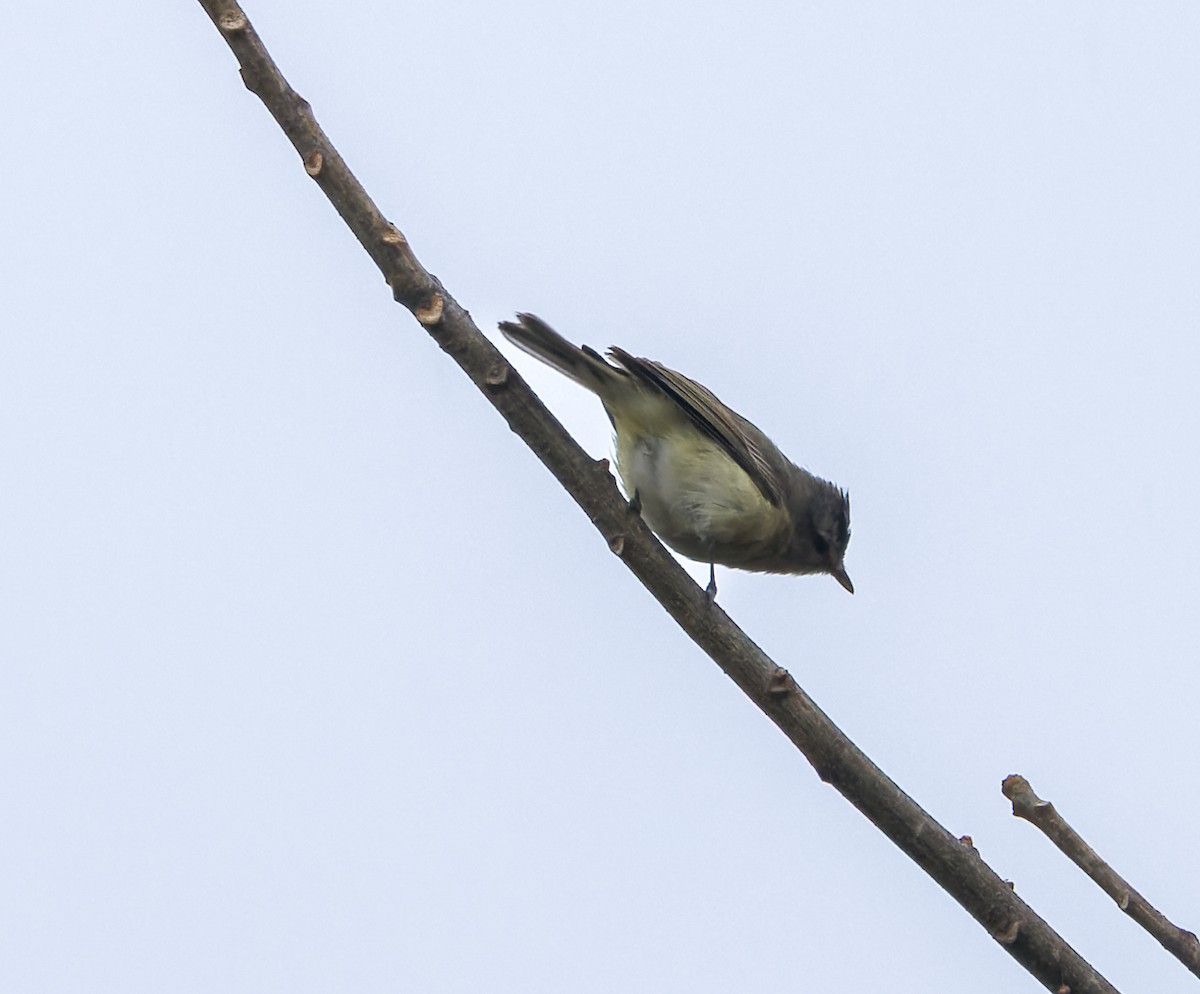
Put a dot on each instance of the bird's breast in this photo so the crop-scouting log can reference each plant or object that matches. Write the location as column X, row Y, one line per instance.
column 696, row 498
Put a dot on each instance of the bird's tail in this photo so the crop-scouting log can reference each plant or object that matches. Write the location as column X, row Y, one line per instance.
column 583, row 365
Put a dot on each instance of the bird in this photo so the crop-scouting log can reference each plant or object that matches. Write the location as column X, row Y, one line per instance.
column 709, row 483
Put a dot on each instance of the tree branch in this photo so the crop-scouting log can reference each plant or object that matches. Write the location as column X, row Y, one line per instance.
column 955, row 866
column 1179, row 942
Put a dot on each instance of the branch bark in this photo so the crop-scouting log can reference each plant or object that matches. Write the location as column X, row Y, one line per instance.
column 955, row 865
column 1179, row 942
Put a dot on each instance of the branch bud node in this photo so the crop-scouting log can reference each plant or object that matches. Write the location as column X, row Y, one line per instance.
column 781, row 684
column 430, row 313
column 497, row 376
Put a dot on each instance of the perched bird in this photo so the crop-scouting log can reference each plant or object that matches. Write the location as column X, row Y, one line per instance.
column 709, row 483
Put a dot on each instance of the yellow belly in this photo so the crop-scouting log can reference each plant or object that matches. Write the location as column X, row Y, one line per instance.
column 696, row 498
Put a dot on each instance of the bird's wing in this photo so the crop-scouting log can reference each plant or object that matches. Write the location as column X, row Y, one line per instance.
column 746, row 445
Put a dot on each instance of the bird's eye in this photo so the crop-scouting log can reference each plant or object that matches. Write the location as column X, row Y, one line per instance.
column 819, row 542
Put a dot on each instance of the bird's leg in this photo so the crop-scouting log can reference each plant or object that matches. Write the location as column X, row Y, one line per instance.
column 635, row 503
column 711, row 589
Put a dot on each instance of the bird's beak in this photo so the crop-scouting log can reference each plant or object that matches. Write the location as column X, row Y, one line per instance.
column 842, row 577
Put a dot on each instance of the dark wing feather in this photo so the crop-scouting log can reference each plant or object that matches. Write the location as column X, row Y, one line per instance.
column 746, row 445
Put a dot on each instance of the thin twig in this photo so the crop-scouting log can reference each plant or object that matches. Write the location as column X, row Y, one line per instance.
column 955, row 866
column 1179, row 942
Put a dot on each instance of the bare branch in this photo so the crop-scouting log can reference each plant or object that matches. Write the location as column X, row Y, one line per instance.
column 955, row 866
column 1179, row 942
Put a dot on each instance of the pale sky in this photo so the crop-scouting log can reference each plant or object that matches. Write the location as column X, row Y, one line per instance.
column 315, row 680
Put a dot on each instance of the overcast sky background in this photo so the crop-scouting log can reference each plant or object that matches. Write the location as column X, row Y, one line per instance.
column 315, row 680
